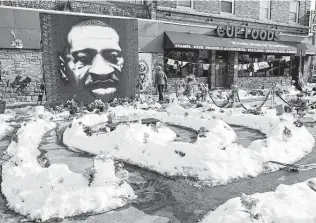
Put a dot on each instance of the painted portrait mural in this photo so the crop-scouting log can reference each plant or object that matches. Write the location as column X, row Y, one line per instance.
column 87, row 58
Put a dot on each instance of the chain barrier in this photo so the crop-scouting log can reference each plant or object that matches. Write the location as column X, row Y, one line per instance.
column 278, row 94
column 258, row 107
column 235, row 95
column 224, row 104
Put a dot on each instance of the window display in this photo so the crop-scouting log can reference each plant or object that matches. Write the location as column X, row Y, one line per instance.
column 256, row 64
column 183, row 63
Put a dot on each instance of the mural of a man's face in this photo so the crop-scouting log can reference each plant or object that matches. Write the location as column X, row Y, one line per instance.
column 94, row 59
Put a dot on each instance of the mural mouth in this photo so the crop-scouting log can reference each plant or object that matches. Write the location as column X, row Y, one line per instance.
column 99, row 84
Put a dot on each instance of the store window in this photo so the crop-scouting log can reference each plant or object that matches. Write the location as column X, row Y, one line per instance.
column 141, row 2
column 227, row 6
column 185, row 3
column 262, row 65
column 293, row 15
column 182, row 63
column 265, row 9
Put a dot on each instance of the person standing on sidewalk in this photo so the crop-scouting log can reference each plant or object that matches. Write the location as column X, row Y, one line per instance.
column 161, row 81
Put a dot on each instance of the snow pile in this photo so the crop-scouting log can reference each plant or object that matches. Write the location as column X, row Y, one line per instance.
column 5, row 127
column 43, row 193
column 153, row 147
column 276, row 147
column 287, row 204
column 214, row 158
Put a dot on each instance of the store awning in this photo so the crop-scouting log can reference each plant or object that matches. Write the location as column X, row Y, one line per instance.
column 199, row 41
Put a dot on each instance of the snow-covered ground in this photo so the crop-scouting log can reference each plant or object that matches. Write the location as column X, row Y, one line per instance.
column 287, row 204
column 214, row 159
column 43, row 193
column 5, row 127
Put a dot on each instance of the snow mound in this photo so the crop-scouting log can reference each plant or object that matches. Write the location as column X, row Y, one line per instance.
column 287, row 204
column 214, row 159
column 43, row 193
column 154, row 147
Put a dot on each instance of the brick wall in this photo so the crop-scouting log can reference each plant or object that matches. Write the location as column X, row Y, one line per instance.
column 119, row 9
column 247, row 9
column 25, row 63
column 304, row 12
column 259, row 82
column 280, row 11
column 205, row 19
column 167, row 3
column 208, row 13
column 207, row 6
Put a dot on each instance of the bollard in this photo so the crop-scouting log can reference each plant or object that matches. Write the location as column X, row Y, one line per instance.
column 235, row 91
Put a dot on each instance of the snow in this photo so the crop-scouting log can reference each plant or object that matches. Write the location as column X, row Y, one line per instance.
column 5, row 127
column 43, row 193
column 287, row 204
column 214, row 159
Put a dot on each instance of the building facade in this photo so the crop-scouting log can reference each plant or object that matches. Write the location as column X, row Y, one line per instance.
column 248, row 43
column 252, row 44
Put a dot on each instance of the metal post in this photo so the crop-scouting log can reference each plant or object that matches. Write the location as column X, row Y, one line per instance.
column 272, row 98
column 300, row 75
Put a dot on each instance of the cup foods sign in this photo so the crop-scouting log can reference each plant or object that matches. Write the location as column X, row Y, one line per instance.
column 248, row 33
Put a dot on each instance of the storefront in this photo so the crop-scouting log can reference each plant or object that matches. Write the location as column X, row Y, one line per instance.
column 226, row 55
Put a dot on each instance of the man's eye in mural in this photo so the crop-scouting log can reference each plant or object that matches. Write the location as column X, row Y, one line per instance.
column 83, row 58
column 112, row 56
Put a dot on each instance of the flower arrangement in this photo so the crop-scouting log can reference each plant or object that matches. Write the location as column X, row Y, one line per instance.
column 298, row 123
column 287, row 133
column 97, row 104
column 90, row 174
column 250, row 203
column 202, row 132
column 72, row 106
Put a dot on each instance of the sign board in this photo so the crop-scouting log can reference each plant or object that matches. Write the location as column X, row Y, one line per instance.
column 247, row 33
column 301, row 49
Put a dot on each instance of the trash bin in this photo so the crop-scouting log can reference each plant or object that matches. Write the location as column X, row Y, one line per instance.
column 2, row 106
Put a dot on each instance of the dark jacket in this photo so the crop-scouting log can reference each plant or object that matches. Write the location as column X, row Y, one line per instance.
column 161, row 78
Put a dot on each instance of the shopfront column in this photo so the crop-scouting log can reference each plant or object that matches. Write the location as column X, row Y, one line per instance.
column 236, row 54
column 232, row 68
column 213, row 67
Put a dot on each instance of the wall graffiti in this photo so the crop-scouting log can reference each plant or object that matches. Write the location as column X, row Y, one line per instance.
column 16, row 42
column 20, row 84
column 12, row 86
column 145, row 71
